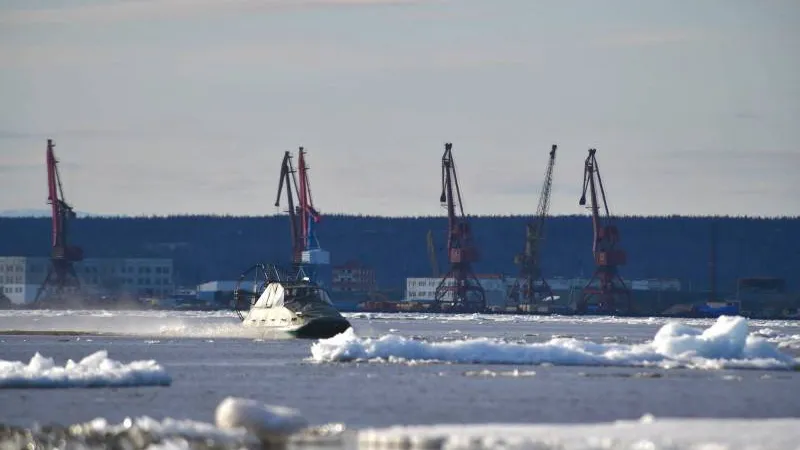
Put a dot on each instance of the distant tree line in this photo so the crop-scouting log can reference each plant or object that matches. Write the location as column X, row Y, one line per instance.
column 219, row 247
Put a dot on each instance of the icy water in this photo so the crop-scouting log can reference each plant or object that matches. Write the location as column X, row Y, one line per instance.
column 210, row 357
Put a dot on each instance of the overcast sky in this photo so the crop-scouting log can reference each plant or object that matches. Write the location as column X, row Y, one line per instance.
column 186, row 106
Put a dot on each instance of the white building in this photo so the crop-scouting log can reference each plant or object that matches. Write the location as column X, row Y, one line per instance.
column 424, row 289
column 21, row 277
column 656, row 285
column 496, row 287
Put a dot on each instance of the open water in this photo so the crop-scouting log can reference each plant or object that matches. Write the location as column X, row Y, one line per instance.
column 209, row 357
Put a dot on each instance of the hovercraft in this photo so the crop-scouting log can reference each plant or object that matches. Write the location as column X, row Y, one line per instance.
column 268, row 297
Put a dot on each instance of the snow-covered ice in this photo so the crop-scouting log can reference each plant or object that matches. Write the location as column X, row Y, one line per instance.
column 225, row 324
column 244, row 423
column 240, row 424
column 554, row 318
column 165, row 429
column 779, row 338
column 95, row 370
column 725, row 344
column 648, row 433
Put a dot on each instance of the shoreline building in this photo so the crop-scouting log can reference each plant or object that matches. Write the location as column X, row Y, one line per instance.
column 353, row 276
column 352, row 283
column 497, row 288
column 21, row 277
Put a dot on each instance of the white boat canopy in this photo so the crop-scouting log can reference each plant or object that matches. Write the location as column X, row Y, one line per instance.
column 272, row 297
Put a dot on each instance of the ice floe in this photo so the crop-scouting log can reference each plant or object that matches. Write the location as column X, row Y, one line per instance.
column 502, row 373
column 555, row 318
column 247, row 424
column 240, row 424
column 647, row 433
column 95, row 370
column 157, row 324
column 268, row 423
column 725, row 344
column 781, row 339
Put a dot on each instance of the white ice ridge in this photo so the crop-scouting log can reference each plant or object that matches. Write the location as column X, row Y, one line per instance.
column 95, row 370
column 554, row 318
column 647, row 433
column 268, row 423
column 169, row 432
column 244, row 423
column 240, row 424
column 726, row 344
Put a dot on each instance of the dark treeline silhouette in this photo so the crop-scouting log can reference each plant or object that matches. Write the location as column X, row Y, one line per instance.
column 220, row 247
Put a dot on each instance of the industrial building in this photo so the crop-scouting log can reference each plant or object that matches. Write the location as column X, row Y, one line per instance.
column 21, row 276
column 353, row 276
column 220, row 292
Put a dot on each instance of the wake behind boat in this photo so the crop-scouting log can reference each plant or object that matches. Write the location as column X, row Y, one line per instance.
column 273, row 300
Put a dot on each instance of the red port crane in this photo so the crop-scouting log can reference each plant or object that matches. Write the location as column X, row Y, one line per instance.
column 302, row 214
column 459, row 290
column 61, row 277
column 309, row 215
column 606, row 286
column 531, row 287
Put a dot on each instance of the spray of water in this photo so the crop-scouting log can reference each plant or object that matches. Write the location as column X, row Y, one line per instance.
column 217, row 324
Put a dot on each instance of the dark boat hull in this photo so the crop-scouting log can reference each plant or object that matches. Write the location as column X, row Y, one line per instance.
column 321, row 328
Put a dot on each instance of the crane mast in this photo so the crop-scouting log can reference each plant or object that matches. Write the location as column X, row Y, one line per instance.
column 309, row 215
column 531, row 287
column 303, row 216
column 459, row 290
column 606, row 288
column 61, row 278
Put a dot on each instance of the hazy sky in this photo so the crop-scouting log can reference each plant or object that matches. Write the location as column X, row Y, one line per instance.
column 186, row 106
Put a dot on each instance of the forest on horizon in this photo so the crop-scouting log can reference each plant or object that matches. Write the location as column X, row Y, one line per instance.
column 206, row 247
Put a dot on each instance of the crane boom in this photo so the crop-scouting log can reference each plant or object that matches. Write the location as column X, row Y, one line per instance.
column 52, row 197
column 459, row 289
column 61, row 278
column 286, row 181
column 309, row 215
column 531, row 287
column 543, row 209
column 606, row 285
